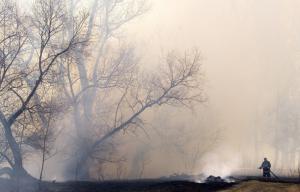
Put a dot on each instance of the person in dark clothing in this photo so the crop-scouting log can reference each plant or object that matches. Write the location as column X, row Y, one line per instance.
column 266, row 167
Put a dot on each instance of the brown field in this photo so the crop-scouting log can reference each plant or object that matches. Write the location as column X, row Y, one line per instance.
column 259, row 186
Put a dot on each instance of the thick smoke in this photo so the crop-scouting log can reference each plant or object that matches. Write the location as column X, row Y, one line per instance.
column 250, row 61
column 251, row 64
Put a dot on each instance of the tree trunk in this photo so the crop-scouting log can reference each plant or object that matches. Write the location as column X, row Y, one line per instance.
column 18, row 162
column 18, row 170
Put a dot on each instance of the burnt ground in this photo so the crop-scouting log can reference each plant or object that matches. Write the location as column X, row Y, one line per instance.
column 146, row 186
column 114, row 186
column 242, row 184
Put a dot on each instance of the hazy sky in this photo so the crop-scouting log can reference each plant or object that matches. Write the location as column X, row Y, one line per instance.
column 249, row 48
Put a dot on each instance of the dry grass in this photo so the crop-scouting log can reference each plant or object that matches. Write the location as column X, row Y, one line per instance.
column 257, row 186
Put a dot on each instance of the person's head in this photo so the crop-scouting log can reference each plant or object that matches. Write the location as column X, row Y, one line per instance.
column 265, row 159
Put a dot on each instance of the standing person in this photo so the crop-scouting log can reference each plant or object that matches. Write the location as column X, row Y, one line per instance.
column 266, row 167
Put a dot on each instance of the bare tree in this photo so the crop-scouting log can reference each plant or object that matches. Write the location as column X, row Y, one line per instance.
column 21, row 81
column 48, row 136
column 111, row 67
column 176, row 85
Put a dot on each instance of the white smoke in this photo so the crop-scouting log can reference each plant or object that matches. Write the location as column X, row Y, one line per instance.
column 221, row 162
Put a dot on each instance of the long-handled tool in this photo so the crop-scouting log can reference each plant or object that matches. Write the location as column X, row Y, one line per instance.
column 274, row 175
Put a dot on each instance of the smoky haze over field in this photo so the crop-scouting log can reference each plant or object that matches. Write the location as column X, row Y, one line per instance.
column 250, row 65
column 250, row 55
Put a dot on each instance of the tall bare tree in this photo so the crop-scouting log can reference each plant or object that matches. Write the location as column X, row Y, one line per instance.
column 175, row 85
column 41, row 38
column 110, row 68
